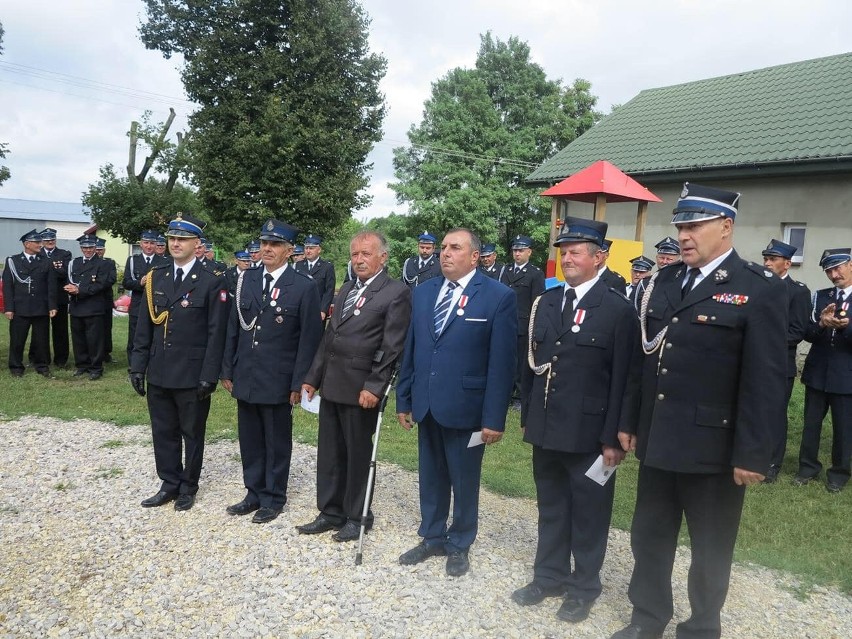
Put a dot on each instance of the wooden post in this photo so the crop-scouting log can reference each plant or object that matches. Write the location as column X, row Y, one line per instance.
column 600, row 207
column 641, row 215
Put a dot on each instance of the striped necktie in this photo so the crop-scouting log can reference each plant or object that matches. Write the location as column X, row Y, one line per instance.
column 443, row 308
column 350, row 299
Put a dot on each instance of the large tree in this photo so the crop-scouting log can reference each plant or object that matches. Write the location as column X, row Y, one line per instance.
column 289, row 105
column 483, row 130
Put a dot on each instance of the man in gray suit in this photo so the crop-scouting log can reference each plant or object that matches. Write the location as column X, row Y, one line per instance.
column 353, row 367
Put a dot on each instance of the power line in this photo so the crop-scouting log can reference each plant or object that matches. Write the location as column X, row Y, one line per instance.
column 436, row 150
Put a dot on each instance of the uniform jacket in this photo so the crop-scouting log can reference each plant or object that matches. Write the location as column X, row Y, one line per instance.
column 358, row 352
column 60, row 258
column 593, row 390
column 614, row 280
column 528, row 284
column 494, row 272
column 714, row 389
column 270, row 361
column 465, row 375
column 33, row 293
column 135, row 269
column 92, row 278
column 798, row 316
column 828, row 366
column 324, row 278
column 413, row 275
column 186, row 349
column 111, row 279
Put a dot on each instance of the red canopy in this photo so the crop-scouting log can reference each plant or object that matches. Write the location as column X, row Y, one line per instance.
column 601, row 178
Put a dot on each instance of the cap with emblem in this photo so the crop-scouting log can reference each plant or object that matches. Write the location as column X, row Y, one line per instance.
column 253, row 246
column 487, row 249
column 298, row 250
column 100, row 242
column 208, row 245
column 777, row 248
column 522, row 242
column 31, row 236
column 426, row 238
column 185, row 226
column 48, row 234
column 835, row 257
column 668, row 246
column 87, row 241
column 699, row 203
column 148, row 236
column 242, row 256
column 276, row 231
column 313, row 240
column 161, row 240
column 641, row 264
column 576, row 229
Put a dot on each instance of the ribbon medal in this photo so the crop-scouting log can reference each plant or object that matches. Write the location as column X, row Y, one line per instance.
column 273, row 295
column 579, row 317
column 358, row 305
column 731, row 298
column 843, row 309
column 462, row 304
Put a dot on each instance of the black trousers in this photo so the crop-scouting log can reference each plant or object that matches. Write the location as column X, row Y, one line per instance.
column 817, row 404
column 87, row 336
column 573, row 520
column 344, row 450
column 132, row 320
column 108, row 331
column 520, row 365
column 178, row 421
column 713, row 505
column 19, row 328
column 266, row 446
column 59, row 335
column 779, row 448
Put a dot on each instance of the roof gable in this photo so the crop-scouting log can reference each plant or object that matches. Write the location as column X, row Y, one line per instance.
column 792, row 113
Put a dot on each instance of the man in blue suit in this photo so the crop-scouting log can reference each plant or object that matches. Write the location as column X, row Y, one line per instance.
column 455, row 381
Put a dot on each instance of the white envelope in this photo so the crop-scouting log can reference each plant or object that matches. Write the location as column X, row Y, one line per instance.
column 312, row 405
column 599, row 472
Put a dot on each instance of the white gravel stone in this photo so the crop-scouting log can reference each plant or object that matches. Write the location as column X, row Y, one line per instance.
column 81, row 558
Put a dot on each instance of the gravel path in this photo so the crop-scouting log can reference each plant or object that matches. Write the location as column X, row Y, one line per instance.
column 80, row 557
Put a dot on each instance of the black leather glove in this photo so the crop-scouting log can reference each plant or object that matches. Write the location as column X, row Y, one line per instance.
column 137, row 380
column 205, row 390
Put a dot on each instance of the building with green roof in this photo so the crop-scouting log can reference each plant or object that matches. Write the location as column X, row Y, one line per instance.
column 782, row 136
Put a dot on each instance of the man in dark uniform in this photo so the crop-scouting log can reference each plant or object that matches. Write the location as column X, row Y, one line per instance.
column 777, row 257
column 827, row 375
column 134, row 280
column 253, row 249
column 714, row 333
column 60, row 259
column 218, row 266
column 527, row 281
column 640, row 269
column 232, row 273
column 322, row 272
column 273, row 333
column 178, row 345
column 100, row 249
column 423, row 266
column 88, row 277
column 668, row 252
column 29, row 295
column 298, row 253
column 352, row 369
column 160, row 246
column 488, row 262
column 608, row 276
column 580, row 387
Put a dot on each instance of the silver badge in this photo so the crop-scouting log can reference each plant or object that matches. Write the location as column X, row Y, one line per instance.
column 279, row 319
column 460, row 312
column 270, row 225
column 575, row 328
column 184, row 303
column 356, row 312
column 767, row 273
column 272, row 303
column 685, row 191
column 721, row 274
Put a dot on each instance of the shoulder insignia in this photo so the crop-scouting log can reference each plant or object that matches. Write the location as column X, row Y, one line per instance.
column 800, row 284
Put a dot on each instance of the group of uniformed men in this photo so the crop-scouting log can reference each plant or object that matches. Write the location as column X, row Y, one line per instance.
column 691, row 367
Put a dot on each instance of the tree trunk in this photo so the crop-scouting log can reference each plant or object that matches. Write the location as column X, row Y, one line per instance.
column 149, row 161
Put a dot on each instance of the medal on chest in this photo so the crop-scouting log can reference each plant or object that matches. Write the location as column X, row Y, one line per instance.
column 579, row 318
column 462, row 304
column 273, row 296
column 844, row 308
column 185, row 300
column 358, row 305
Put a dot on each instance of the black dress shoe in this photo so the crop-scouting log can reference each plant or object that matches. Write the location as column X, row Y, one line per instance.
column 457, row 563
column 242, row 508
column 80, row 372
column 185, row 502
column 800, row 480
column 833, row 488
column 95, row 375
column 772, row 474
column 636, row 632
column 319, row 525
column 574, row 610
column 17, row 373
column 350, row 531
column 533, row 594
column 421, row 552
column 159, row 499
column 265, row 515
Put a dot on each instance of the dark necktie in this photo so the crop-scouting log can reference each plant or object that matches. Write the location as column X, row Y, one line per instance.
column 422, row 264
column 568, row 308
column 691, row 274
column 267, row 283
column 443, row 307
column 178, row 278
column 148, row 261
column 350, row 299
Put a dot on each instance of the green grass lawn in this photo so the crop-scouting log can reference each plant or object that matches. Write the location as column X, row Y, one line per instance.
column 805, row 531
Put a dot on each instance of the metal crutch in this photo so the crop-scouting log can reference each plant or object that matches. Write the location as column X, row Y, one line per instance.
column 371, row 478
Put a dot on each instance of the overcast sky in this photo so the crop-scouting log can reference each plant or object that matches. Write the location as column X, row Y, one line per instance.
column 63, row 114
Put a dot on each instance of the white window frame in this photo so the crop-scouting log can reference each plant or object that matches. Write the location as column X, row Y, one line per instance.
column 788, row 228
